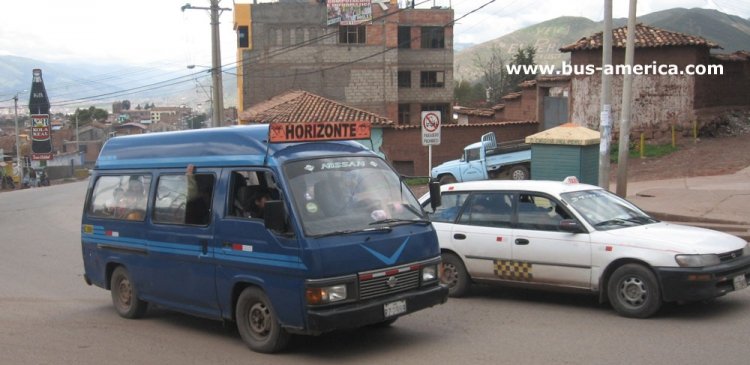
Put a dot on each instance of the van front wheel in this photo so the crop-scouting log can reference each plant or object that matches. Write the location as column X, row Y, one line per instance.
column 257, row 322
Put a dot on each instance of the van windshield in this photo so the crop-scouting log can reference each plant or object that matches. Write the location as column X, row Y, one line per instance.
column 349, row 194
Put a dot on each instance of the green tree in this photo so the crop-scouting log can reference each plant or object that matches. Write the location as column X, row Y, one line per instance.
column 524, row 56
column 86, row 116
column 126, row 105
column 494, row 75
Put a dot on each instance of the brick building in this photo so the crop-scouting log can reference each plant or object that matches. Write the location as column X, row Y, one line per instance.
column 397, row 63
column 659, row 101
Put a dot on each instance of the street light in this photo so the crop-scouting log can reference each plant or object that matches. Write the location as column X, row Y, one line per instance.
column 210, row 98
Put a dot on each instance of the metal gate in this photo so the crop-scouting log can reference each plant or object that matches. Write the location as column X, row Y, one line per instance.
column 555, row 111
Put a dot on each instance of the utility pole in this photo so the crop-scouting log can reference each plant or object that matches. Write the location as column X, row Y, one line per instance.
column 218, row 89
column 18, row 145
column 605, row 121
column 78, row 136
column 627, row 91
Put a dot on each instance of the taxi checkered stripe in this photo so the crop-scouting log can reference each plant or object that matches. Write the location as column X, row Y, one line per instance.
column 513, row 270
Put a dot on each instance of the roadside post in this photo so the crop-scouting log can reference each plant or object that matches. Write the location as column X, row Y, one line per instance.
column 431, row 122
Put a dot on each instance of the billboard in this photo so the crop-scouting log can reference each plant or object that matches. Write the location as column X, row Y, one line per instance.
column 349, row 12
column 41, row 145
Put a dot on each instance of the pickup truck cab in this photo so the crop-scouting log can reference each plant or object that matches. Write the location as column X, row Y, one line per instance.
column 580, row 238
column 487, row 160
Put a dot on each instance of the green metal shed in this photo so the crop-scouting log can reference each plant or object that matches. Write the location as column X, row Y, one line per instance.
column 567, row 150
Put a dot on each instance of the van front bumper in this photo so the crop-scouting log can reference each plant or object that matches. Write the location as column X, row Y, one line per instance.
column 372, row 311
column 693, row 284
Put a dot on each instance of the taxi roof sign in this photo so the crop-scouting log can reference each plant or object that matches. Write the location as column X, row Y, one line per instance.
column 319, row 131
column 570, row 180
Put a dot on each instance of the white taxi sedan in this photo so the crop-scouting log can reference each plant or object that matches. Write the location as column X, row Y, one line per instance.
column 545, row 234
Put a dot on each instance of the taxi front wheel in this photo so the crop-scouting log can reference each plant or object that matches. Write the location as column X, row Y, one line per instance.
column 257, row 322
column 455, row 276
column 634, row 291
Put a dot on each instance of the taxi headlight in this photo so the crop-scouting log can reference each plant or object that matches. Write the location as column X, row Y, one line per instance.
column 697, row 260
column 326, row 294
column 429, row 273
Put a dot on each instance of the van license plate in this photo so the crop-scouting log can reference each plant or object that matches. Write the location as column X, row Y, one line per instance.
column 395, row 308
column 740, row 282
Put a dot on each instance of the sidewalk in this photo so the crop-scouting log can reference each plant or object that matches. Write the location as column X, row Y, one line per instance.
column 721, row 199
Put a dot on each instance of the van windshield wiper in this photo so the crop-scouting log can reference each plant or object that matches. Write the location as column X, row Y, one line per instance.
column 402, row 221
column 352, row 231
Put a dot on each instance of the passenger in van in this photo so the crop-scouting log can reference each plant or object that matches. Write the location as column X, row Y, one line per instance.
column 133, row 201
column 197, row 209
column 260, row 198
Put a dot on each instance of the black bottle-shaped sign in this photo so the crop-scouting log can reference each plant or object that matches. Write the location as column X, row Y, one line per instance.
column 41, row 145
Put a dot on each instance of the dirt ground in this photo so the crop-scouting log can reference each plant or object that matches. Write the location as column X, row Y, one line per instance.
column 709, row 156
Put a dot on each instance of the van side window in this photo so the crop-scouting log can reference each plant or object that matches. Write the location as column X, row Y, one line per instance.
column 182, row 199
column 120, row 197
column 249, row 192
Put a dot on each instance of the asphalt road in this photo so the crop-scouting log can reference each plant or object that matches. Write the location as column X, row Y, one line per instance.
column 48, row 315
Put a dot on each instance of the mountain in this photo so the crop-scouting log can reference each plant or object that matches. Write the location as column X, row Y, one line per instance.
column 729, row 31
column 103, row 84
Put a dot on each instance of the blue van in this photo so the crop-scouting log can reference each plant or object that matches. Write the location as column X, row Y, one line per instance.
column 281, row 238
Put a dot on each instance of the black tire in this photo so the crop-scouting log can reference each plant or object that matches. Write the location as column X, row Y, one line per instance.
column 125, row 295
column 519, row 172
column 634, row 291
column 455, row 276
column 447, row 179
column 257, row 322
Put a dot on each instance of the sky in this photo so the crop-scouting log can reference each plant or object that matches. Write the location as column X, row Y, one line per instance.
column 156, row 33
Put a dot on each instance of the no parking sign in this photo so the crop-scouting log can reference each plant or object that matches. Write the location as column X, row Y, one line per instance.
column 431, row 128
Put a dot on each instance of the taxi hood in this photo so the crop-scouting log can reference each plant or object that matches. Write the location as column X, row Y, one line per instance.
column 678, row 238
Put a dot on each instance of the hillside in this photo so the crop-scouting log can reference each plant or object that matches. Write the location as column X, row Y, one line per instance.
column 67, row 81
column 729, row 31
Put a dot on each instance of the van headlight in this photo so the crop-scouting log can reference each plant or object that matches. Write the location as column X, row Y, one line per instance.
column 697, row 260
column 429, row 273
column 326, row 294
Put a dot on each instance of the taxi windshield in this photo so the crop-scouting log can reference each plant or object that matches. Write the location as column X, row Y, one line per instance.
column 606, row 211
column 349, row 194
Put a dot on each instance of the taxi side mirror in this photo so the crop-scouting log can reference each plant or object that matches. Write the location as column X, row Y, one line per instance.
column 570, row 226
column 436, row 199
column 274, row 216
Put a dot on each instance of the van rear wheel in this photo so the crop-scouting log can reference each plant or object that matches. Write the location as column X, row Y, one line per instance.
column 257, row 322
column 125, row 295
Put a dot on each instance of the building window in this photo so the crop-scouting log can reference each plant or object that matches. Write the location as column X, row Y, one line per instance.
column 433, row 37
column 352, row 34
column 403, row 113
column 404, row 37
column 243, row 39
column 432, row 79
column 442, row 108
column 404, row 79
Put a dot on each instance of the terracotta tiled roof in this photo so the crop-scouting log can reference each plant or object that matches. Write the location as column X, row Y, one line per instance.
column 645, row 37
column 473, row 125
column 302, row 107
column 498, row 107
column 511, row 96
column 553, row 78
column 739, row 56
column 474, row 112
column 527, row 84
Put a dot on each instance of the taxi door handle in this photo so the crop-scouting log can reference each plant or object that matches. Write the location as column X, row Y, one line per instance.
column 459, row 236
column 522, row 241
column 204, row 246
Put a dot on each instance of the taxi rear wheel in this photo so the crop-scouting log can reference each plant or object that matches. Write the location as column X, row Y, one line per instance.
column 125, row 295
column 454, row 275
column 257, row 322
column 634, row 291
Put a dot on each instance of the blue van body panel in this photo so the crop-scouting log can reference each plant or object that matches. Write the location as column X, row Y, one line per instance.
column 201, row 270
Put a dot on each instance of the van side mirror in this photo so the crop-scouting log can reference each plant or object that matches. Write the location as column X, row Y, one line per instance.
column 436, row 199
column 570, row 226
column 274, row 216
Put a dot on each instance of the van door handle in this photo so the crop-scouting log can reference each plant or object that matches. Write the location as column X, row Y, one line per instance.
column 522, row 241
column 204, row 246
column 459, row 236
